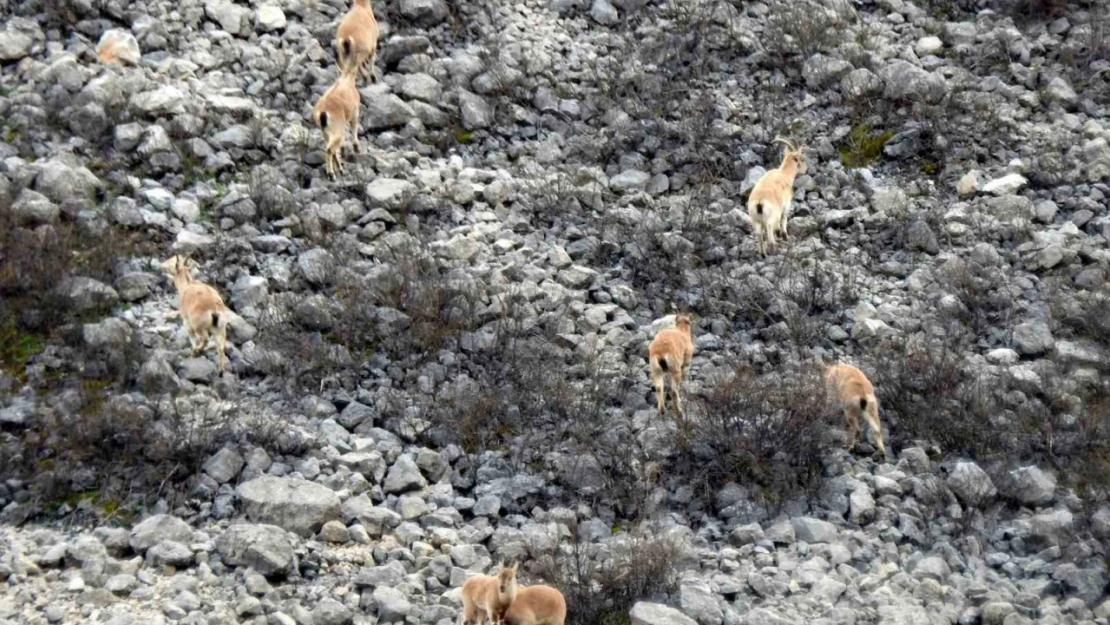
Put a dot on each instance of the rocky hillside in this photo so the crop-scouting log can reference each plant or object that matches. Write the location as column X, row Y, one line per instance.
column 438, row 360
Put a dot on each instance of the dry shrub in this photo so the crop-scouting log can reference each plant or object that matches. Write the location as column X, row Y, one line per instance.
column 926, row 393
column 765, row 430
column 601, row 583
column 805, row 27
column 796, row 304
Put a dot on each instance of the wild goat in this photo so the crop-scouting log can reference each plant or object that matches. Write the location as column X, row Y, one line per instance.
column 770, row 199
column 356, row 41
column 671, row 352
column 486, row 596
column 537, row 605
column 848, row 387
column 335, row 112
column 201, row 308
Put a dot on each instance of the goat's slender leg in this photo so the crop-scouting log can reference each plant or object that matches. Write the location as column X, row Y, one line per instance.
column 676, row 382
column 657, row 384
column 853, row 427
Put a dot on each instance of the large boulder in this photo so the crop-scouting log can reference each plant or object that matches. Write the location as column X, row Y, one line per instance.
column 905, row 81
column 644, row 613
column 264, row 548
column 158, row 528
column 300, row 506
column 971, row 484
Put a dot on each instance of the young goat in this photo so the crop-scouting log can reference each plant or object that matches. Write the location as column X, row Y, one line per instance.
column 770, row 199
column 201, row 308
column 486, row 596
column 356, row 41
column 848, row 387
column 537, row 605
column 335, row 112
column 671, row 352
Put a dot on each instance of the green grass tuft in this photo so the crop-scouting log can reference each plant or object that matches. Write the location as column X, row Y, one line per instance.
column 863, row 147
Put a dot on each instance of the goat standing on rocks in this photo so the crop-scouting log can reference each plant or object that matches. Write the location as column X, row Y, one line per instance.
column 201, row 308
column 849, row 388
column 335, row 112
column 486, row 596
column 537, row 605
column 671, row 352
column 356, row 41
column 770, row 199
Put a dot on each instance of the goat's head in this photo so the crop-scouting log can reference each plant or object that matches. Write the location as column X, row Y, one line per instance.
column 794, row 154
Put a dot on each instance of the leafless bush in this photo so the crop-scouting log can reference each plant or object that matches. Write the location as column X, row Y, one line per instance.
column 765, row 430
column 805, row 27
column 984, row 291
column 601, row 583
column 797, row 303
column 926, row 393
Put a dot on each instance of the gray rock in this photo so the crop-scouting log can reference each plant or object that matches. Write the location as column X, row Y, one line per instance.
column 1032, row 486
column 905, row 81
column 229, row 16
column 1059, row 91
column 404, row 476
column 299, row 506
column 334, row 532
column 746, row 535
column 316, row 265
column 1006, row 185
column 197, row 370
column 109, row 333
column 927, row 46
column 424, row 12
column 1100, row 523
column 383, row 110
column 60, row 182
column 475, row 111
column 971, row 484
column 576, row 276
column 265, row 548
column 393, row 607
column 860, row 83
column 171, row 553
column 224, row 465
column 933, row 567
column 920, row 237
column 629, row 181
column 604, row 13
column 698, row 602
column 644, row 613
column 84, row 294
column 158, row 528
column 15, row 42
column 421, row 87
column 819, row 70
column 1051, row 529
column 32, row 208
column 269, row 18
column 1033, row 338
column 390, row 193
column 813, row 530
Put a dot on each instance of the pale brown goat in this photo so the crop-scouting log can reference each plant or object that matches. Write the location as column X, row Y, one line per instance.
column 356, row 41
column 770, row 199
column 671, row 352
column 201, row 308
column 537, row 605
column 488, row 596
column 335, row 112
column 850, row 389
